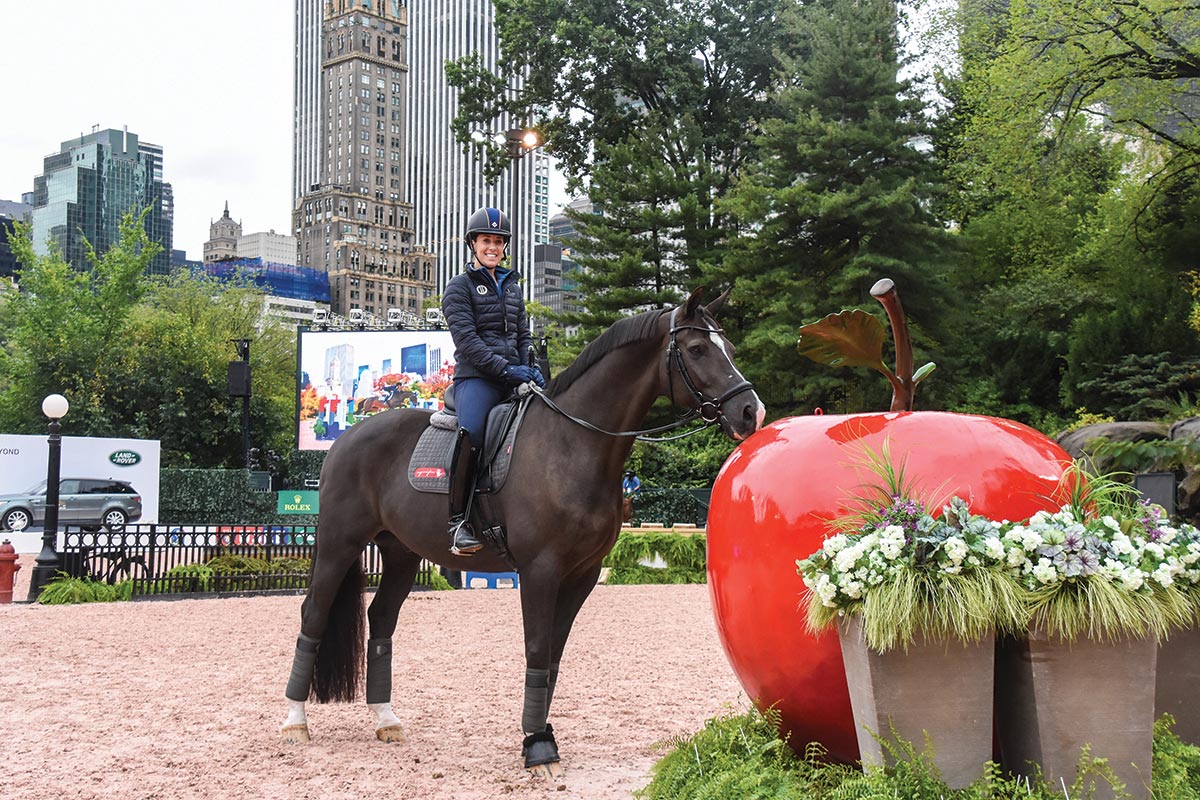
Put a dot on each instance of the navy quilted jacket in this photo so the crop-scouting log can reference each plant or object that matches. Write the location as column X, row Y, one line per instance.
column 487, row 322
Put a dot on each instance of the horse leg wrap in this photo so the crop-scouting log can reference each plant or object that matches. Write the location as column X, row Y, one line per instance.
column 303, row 663
column 550, row 683
column 537, row 700
column 379, row 671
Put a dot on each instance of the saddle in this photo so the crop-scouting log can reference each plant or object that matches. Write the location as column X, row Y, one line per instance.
column 429, row 466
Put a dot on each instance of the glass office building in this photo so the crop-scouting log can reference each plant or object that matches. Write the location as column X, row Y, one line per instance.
column 90, row 184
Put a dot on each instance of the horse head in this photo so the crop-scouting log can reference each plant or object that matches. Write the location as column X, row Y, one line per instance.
column 700, row 373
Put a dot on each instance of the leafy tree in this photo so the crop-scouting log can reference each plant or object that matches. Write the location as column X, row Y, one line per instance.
column 652, row 102
column 138, row 357
column 1126, row 65
column 837, row 199
column 176, row 370
column 65, row 330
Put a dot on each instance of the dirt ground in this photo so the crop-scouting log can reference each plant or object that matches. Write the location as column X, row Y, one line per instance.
column 184, row 699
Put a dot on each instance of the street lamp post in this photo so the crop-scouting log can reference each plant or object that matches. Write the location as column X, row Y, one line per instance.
column 55, row 407
column 515, row 142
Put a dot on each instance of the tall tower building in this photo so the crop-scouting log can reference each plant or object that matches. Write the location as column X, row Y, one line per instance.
column 354, row 224
column 306, row 90
column 223, row 236
column 444, row 185
column 90, row 184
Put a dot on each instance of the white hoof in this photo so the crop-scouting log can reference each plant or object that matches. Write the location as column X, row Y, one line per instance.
column 391, row 734
column 295, row 734
column 553, row 770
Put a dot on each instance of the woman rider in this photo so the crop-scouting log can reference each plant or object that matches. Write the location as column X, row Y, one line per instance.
column 485, row 311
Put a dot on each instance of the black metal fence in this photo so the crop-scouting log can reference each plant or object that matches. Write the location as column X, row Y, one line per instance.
column 205, row 560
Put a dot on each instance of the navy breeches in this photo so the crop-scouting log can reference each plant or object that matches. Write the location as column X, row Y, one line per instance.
column 473, row 399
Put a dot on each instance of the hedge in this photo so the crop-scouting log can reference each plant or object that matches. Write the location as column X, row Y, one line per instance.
column 224, row 497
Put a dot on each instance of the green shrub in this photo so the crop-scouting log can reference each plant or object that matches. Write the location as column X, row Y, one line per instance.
column 183, row 578
column 438, row 582
column 65, row 590
column 685, row 557
column 742, row 756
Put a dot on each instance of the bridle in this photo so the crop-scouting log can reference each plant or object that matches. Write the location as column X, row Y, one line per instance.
column 707, row 408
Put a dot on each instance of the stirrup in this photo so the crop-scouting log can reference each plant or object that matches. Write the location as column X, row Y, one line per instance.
column 462, row 538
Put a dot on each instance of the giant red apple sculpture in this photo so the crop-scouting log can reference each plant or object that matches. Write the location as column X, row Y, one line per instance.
column 771, row 505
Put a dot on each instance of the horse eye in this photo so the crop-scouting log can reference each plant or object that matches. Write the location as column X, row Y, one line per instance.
column 697, row 350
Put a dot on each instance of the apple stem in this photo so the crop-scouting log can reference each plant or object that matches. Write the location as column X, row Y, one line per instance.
column 885, row 292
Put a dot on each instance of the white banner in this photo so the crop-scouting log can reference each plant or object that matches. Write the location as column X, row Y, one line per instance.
column 23, row 462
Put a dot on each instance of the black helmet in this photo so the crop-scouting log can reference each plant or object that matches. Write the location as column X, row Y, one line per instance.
column 488, row 220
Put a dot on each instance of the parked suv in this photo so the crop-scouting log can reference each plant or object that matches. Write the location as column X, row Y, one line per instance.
column 89, row 502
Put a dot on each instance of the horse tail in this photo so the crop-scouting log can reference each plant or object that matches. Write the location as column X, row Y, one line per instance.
column 339, row 668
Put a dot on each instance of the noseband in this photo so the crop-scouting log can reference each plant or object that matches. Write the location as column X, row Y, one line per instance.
column 709, row 408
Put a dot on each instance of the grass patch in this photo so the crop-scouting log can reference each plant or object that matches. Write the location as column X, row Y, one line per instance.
column 742, row 756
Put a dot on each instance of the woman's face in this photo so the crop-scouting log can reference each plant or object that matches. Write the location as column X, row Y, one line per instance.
column 489, row 249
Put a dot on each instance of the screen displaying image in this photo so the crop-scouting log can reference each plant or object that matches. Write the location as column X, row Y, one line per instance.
column 347, row 376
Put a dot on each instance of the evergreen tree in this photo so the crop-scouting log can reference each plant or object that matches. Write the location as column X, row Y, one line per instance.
column 838, row 198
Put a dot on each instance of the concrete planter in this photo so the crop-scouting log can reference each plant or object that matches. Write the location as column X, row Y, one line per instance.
column 1055, row 696
column 939, row 688
column 1176, row 680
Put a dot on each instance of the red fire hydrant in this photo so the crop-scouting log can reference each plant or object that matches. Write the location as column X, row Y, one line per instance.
column 8, row 571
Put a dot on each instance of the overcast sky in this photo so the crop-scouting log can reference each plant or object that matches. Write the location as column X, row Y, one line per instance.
column 211, row 82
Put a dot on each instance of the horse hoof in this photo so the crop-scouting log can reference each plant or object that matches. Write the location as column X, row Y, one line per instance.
column 390, row 734
column 295, row 734
column 553, row 770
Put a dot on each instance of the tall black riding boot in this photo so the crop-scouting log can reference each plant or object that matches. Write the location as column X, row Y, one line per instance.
column 463, row 541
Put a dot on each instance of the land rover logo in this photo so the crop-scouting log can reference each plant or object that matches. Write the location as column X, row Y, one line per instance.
column 124, row 458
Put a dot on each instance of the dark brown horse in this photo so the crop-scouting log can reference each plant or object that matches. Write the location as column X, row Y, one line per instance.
column 561, row 507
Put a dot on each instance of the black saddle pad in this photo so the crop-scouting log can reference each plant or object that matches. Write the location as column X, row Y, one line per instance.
column 429, row 467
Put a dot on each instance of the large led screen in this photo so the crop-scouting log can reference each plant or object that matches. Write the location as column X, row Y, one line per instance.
column 346, row 376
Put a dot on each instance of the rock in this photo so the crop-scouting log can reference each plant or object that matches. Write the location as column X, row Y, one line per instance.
column 1074, row 441
column 1186, row 428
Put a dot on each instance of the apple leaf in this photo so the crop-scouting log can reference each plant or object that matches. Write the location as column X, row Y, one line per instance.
column 923, row 373
column 850, row 338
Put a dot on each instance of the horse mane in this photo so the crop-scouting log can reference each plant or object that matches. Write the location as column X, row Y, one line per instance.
column 625, row 331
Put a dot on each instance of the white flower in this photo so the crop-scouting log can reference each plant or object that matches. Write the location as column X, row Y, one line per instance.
column 994, row 549
column 1031, row 540
column 1121, row 544
column 826, row 590
column 846, row 559
column 956, row 549
column 1132, row 578
column 1044, row 571
column 1016, row 556
column 853, row 589
column 835, row 543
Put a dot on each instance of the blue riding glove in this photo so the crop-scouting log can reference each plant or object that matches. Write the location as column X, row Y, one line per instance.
column 522, row 374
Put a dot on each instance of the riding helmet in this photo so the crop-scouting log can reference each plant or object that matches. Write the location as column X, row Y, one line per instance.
column 488, row 220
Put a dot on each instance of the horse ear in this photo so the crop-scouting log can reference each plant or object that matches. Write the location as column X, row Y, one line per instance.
column 693, row 302
column 714, row 308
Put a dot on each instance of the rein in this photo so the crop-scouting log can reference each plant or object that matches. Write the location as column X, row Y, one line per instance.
column 709, row 409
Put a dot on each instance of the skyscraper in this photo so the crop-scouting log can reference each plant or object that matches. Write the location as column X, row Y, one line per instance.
column 354, row 224
column 443, row 184
column 90, row 184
